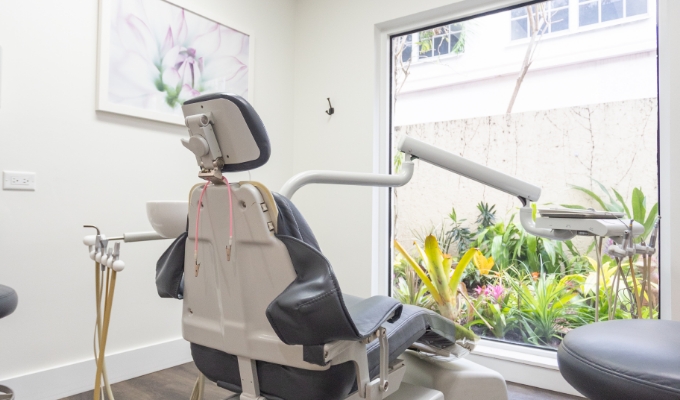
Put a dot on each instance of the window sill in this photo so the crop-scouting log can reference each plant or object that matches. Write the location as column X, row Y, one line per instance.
column 516, row 353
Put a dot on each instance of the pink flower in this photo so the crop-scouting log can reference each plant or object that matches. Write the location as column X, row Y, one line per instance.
column 496, row 291
column 493, row 291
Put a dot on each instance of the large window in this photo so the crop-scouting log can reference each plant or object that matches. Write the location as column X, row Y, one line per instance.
column 440, row 41
column 552, row 112
column 572, row 16
column 552, row 16
column 594, row 11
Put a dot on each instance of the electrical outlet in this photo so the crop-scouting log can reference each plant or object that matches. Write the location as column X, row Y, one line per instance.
column 18, row 180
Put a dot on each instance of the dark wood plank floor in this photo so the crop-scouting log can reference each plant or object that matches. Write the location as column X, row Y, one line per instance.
column 176, row 384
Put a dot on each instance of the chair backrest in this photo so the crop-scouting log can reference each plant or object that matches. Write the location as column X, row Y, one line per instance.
column 225, row 303
column 250, row 301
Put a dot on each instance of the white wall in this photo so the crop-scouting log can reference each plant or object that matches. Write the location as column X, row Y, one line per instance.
column 99, row 168
column 335, row 56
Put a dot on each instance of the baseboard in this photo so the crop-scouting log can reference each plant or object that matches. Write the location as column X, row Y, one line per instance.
column 67, row 380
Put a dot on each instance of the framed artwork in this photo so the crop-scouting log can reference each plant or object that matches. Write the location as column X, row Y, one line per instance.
column 154, row 55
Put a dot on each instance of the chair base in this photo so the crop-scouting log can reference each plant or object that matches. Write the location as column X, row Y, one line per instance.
column 413, row 392
column 6, row 393
column 456, row 378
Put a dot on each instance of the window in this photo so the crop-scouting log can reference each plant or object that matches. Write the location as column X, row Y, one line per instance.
column 560, row 126
column 551, row 16
column 441, row 41
column 436, row 42
column 595, row 11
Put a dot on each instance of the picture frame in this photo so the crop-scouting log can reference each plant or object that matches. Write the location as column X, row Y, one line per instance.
column 153, row 55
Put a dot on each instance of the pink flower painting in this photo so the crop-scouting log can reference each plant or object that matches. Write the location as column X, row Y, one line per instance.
column 161, row 55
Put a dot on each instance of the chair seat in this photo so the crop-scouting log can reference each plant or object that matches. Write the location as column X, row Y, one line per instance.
column 278, row 382
column 8, row 301
column 628, row 359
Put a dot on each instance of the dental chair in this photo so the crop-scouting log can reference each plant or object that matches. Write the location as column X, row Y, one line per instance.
column 8, row 303
column 262, row 308
column 623, row 359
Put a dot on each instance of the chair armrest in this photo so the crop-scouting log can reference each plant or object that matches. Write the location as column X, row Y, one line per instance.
column 368, row 315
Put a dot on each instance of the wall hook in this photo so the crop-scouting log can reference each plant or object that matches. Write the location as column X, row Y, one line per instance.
column 330, row 110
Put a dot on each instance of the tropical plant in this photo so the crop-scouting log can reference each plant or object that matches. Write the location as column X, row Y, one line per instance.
column 497, row 309
column 487, row 215
column 410, row 290
column 637, row 210
column 438, row 275
column 548, row 307
column 460, row 235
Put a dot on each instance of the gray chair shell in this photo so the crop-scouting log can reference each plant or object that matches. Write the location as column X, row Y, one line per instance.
column 8, row 301
column 623, row 359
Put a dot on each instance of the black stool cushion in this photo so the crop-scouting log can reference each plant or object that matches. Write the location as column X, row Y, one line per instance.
column 626, row 359
column 8, row 301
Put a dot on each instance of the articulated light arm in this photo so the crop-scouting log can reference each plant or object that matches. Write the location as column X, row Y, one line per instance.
column 415, row 148
column 525, row 191
column 348, row 178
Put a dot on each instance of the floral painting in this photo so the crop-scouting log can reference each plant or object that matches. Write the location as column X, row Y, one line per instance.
column 156, row 55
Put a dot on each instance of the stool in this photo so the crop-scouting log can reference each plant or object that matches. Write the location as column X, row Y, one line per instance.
column 623, row 359
column 8, row 303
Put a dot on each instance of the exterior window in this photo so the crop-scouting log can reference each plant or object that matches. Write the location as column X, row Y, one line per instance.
column 408, row 49
column 458, row 247
column 436, row 42
column 552, row 16
column 441, row 41
column 595, row 11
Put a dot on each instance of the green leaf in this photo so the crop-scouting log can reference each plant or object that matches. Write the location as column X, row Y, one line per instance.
column 533, row 211
column 421, row 274
column 460, row 268
column 623, row 203
column 604, row 189
column 651, row 219
column 549, row 247
column 593, row 195
column 638, row 206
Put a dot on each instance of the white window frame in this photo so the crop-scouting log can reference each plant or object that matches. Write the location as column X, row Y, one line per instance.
column 415, row 48
column 520, row 364
column 568, row 7
column 574, row 23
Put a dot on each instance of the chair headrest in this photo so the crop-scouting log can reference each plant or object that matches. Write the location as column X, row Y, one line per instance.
column 241, row 138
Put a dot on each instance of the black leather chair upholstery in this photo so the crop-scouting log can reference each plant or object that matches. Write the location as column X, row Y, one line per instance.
column 312, row 310
column 625, row 359
column 8, row 301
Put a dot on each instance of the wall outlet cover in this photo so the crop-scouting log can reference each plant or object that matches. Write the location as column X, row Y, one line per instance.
column 18, row 180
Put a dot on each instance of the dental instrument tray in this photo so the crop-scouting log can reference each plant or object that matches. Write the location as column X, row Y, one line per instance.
column 587, row 222
column 579, row 213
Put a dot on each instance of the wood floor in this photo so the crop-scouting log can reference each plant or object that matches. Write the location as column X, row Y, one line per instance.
column 176, row 384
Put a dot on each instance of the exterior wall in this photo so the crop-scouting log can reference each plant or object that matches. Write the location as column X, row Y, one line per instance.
column 614, row 143
column 600, row 63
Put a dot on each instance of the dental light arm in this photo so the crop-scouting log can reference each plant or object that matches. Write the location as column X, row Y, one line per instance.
column 469, row 169
column 415, row 148
column 348, row 178
column 525, row 191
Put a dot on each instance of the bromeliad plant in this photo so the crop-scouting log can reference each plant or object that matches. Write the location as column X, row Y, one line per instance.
column 438, row 275
column 441, row 278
